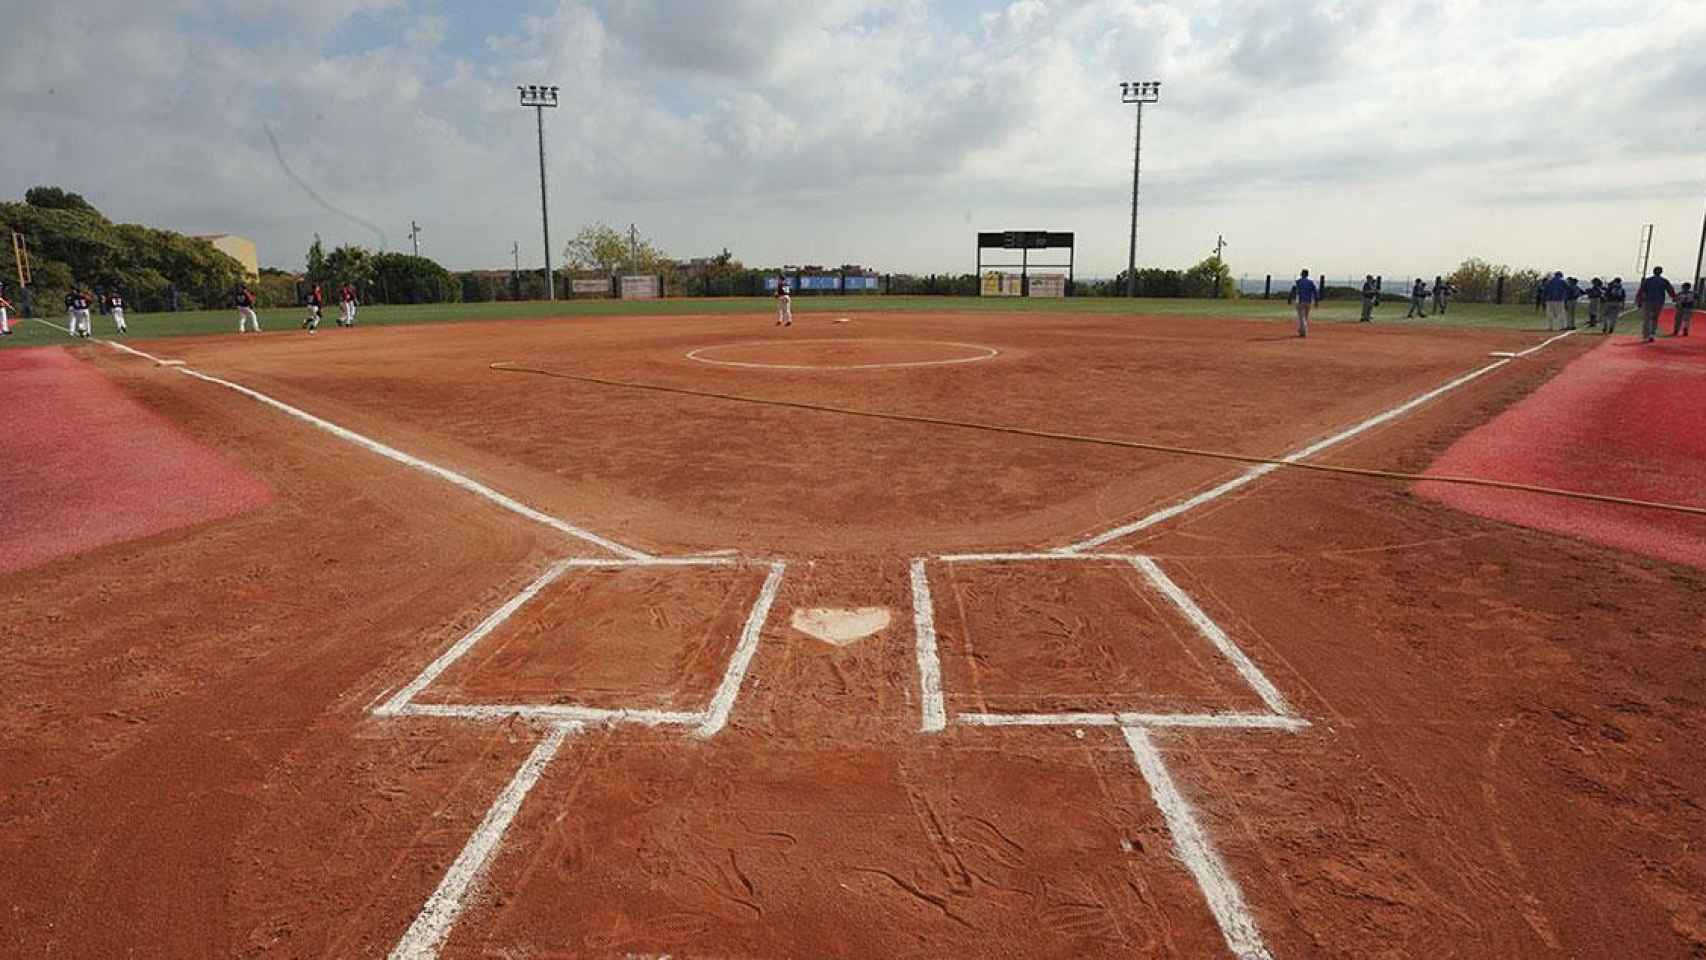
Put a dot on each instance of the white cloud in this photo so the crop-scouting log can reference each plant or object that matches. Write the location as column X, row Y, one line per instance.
column 1387, row 135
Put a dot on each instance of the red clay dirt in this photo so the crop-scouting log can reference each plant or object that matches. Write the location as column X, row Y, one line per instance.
column 1625, row 420
column 86, row 465
column 1504, row 758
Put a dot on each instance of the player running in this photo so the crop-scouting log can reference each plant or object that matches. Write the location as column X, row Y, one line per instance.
column 316, row 300
column 245, row 300
column 5, row 318
column 115, row 306
column 346, row 312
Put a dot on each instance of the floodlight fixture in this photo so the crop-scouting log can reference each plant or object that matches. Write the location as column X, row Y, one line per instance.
column 539, row 97
column 1139, row 93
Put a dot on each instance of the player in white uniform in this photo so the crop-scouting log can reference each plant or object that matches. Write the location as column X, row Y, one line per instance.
column 346, row 312
column 5, row 320
column 115, row 304
column 246, row 311
column 784, row 303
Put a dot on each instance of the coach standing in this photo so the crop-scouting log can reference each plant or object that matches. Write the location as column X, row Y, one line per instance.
column 1370, row 298
column 1650, row 297
column 1557, row 291
column 1305, row 293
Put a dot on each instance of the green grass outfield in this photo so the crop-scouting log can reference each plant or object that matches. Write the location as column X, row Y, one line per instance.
column 192, row 323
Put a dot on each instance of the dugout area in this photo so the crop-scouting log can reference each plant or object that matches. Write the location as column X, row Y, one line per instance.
column 486, row 662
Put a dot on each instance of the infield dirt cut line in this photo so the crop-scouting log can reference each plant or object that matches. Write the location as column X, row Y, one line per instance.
column 617, row 638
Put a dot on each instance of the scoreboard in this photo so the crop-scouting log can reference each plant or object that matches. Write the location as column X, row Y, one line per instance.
column 1024, row 239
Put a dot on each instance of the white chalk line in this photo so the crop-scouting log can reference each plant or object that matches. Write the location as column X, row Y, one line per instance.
column 450, row 476
column 432, row 926
column 1242, row 721
column 1029, row 557
column 934, row 709
column 1225, row 900
column 1262, row 470
column 401, row 699
column 724, row 699
column 554, row 712
column 989, row 354
column 1211, row 631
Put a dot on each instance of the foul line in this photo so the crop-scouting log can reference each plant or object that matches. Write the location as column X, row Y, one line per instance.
column 432, row 926
column 1243, row 721
column 929, row 664
column 450, row 476
column 1225, row 900
column 1268, row 466
column 724, row 701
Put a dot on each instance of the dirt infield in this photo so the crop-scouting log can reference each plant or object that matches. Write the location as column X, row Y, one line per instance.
column 388, row 714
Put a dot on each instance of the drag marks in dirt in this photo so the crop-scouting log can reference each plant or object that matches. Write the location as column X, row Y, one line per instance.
column 1044, row 661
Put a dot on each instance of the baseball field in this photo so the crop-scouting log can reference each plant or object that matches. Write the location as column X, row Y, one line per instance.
column 900, row 632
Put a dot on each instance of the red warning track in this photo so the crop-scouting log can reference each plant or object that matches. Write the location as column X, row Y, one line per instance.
column 82, row 465
column 1627, row 420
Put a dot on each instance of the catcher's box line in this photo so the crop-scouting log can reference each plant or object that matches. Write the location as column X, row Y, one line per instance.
column 1262, row 470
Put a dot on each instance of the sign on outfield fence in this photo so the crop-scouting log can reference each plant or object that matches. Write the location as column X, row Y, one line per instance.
column 600, row 287
column 1048, row 284
column 998, row 284
column 640, row 288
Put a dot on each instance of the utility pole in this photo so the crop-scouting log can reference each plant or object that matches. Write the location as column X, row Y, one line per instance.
column 515, row 250
column 633, row 248
column 1219, row 245
column 415, row 235
column 1140, row 94
column 1700, row 258
column 539, row 98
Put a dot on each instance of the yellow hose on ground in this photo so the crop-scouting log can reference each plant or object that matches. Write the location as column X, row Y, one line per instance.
column 507, row 367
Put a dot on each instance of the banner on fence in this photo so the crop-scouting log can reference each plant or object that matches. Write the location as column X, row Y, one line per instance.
column 864, row 283
column 600, row 287
column 640, row 287
column 998, row 284
column 1048, row 284
column 819, row 283
column 770, row 283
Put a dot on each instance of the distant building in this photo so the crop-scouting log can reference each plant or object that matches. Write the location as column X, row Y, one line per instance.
column 240, row 249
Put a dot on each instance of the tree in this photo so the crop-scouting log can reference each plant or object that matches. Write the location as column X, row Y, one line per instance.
column 599, row 248
column 317, row 263
column 53, row 198
column 349, row 264
column 1210, row 278
column 1477, row 280
column 400, row 278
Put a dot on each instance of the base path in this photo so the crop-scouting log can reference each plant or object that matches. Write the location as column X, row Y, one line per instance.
column 83, row 465
column 1625, row 420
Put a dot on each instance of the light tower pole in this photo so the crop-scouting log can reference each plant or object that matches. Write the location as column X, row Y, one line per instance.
column 539, row 98
column 1148, row 91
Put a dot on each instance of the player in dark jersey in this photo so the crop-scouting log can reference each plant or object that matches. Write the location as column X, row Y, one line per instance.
column 115, row 306
column 79, row 304
column 246, row 310
column 346, row 312
column 316, row 300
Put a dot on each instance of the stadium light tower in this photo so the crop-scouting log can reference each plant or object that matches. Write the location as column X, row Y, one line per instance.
column 539, row 98
column 1148, row 91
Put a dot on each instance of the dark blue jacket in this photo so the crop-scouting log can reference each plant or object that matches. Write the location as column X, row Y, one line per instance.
column 1557, row 288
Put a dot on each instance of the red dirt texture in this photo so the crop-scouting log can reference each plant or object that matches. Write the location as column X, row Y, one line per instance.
column 1626, row 420
column 1504, row 755
column 82, row 465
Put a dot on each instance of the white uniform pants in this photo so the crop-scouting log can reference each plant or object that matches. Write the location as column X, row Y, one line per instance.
column 80, row 323
column 118, row 319
column 346, row 315
column 785, row 310
column 246, row 316
column 5, row 322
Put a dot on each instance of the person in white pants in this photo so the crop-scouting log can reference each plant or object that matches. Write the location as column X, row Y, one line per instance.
column 115, row 304
column 346, row 315
column 784, row 304
column 246, row 311
column 5, row 320
column 80, row 326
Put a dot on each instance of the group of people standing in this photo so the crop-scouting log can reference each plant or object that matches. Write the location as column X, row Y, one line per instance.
column 245, row 301
column 1560, row 295
column 77, row 304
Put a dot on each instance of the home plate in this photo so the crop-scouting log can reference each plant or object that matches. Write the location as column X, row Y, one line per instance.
column 840, row 626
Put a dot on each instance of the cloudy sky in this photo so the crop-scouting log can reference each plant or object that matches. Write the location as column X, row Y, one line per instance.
column 1393, row 136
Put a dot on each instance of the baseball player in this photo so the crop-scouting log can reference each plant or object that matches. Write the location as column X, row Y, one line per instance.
column 115, row 306
column 1370, row 298
column 71, row 311
column 246, row 311
column 1611, row 305
column 784, row 303
column 1685, row 300
column 79, row 313
column 5, row 320
column 1418, row 300
column 1304, row 293
column 1595, row 293
column 316, row 300
column 1650, row 297
column 346, row 312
